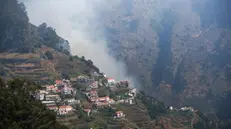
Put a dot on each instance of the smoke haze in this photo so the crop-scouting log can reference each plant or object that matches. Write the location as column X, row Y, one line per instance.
column 75, row 20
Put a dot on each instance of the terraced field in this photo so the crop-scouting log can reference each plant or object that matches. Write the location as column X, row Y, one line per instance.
column 136, row 115
column 31, row 66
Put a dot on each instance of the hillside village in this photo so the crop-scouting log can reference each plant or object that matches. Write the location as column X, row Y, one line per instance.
column 99, row 92
column 89, row 95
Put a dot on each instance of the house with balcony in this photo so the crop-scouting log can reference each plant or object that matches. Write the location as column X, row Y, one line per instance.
column 111, row 81
column 63, row 110
column 119, row 114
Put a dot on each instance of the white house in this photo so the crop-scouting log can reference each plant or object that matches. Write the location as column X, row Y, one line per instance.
column 40, row 96
column 111, row 80
column 119, row 114
column 128, row 101
column 187, row 109
column 54, row 108
column 52, row 97
column 63, row 110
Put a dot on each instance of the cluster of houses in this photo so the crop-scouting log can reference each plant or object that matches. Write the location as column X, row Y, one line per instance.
column 93, row 86
column 183, row 109
column 58, row 97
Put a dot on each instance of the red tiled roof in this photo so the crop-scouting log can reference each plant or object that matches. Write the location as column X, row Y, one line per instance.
column 58, row 81
column 65, row 107
column 109, row 78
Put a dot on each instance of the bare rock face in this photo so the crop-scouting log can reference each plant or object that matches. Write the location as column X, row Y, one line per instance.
column 183, row 43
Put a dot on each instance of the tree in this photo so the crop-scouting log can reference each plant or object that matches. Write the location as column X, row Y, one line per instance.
column 71, row 58
column 49, row 55
column 83, row 58
column 103, row 92
column 90, row 62
column 2, row 82
column 18, row 110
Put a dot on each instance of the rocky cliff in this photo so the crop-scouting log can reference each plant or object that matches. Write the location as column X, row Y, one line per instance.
column 179, row 49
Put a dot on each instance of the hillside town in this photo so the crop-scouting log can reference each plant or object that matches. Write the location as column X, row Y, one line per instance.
column 90, row 93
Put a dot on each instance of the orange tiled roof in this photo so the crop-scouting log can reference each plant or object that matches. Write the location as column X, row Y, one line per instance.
column 58, row 81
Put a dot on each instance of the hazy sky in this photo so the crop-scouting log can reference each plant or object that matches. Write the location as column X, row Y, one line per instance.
column 75, row 21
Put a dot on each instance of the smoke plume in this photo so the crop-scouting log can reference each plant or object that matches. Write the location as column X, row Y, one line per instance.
column 76, row 21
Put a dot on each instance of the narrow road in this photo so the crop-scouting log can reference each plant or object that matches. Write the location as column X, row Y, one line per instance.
column 192, row 121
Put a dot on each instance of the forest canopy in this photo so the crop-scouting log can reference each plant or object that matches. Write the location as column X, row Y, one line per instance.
column 20, row 110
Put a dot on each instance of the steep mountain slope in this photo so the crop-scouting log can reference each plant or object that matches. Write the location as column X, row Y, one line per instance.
column 179, row 49
column 35, row 53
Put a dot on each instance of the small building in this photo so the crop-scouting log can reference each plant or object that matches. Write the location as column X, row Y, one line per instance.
column 171, row 108
column 74, row 79
column 53, row 108
column 63, row 110
column 123, row 84
column 42, row 92
column 187, row 109
column 50, row 88
column 82, row 79
column 102, row 104
column 58, row 82
column 111, row 101
column 67, row 91
column 70, row 101
column 94, row 85
column 101, row 99
column 119, row 114
column 104, row 75
column 111, row 81
column 40, row 96
column 49, row 103
column 128, row 101
column 95, row 74
column 52, row 97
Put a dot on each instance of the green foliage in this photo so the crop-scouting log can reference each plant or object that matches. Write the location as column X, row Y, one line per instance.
column 13, row 26
column 154, row 107
column 19, row 110
column 103, row 92
column 18, row 35
column 48, row 35
column 49, row 55
column 71, row 58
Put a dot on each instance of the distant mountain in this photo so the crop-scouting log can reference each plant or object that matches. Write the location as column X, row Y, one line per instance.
column 179, row 49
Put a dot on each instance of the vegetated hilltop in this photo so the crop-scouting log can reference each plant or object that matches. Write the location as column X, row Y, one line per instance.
column 20, row 110
column 179, row 49
column 34, row 52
